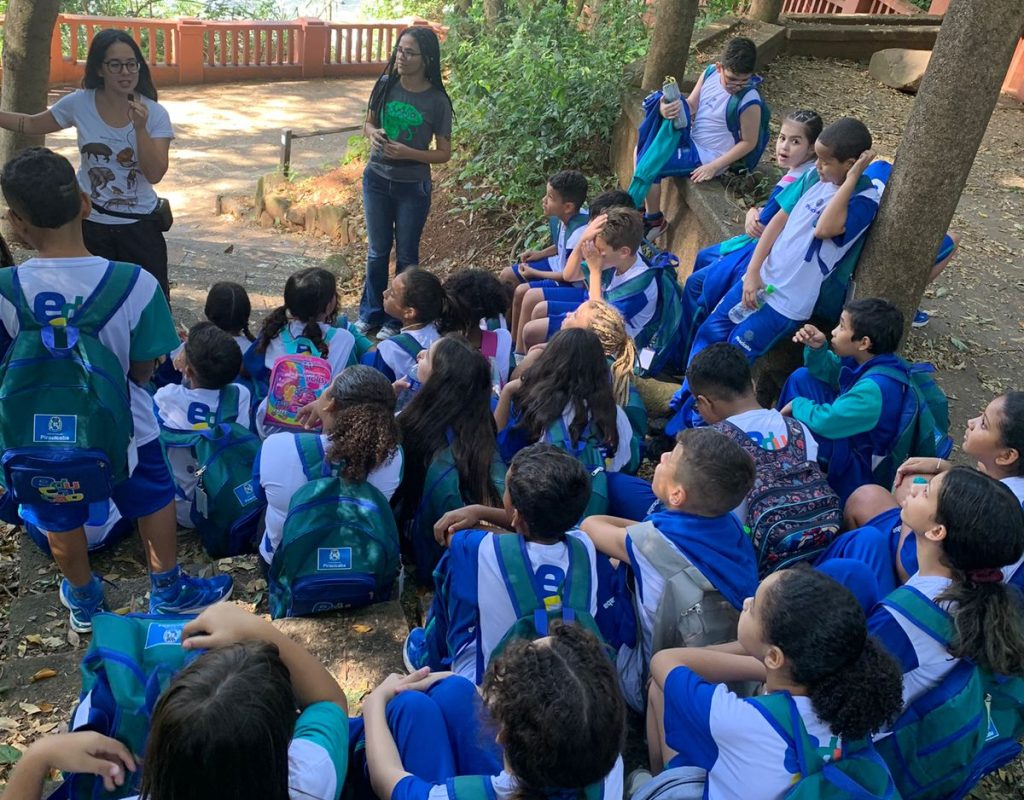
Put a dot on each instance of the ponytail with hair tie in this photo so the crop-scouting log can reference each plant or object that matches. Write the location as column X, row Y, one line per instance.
column 988, row 575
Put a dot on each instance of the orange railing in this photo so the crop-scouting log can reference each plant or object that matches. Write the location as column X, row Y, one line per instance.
column 849, row 7
column 198, row 51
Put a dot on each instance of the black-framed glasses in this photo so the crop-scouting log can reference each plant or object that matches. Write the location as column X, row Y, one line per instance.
column 131, row 66
column 405, row 51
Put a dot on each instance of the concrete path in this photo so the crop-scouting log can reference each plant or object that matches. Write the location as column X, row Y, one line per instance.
column 227, row 136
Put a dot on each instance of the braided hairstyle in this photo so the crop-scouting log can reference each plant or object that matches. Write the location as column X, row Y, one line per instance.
column 559, row 709
column 228, row 307
column 363, row 433
column 811, row 122
column 430, row 50
column 606, row 321
column 308, row 296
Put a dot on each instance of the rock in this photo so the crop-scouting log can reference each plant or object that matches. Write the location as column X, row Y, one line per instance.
column 267, row 184
column 310, row 222
column 265, row 220
column 277, row 205
column 901, row 69
column 656, row 395
column 297, row 216
column 232, row 204
column 333, row 222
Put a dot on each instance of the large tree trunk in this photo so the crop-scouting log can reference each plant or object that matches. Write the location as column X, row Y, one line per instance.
column 766, row 10
column 670, row 41
column 494, row 10
column 934, row 158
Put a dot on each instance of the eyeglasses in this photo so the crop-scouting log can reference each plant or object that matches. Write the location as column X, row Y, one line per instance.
column 131, row 67
column 405, row 51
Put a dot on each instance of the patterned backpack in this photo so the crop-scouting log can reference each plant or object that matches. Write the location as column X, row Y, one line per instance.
column 792, row 512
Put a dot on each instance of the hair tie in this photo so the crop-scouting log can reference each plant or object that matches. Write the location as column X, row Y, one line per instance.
column 987, row 575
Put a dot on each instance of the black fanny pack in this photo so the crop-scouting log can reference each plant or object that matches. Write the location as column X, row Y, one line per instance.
column 162, row 214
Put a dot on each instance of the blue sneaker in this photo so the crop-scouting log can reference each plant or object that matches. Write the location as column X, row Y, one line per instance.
column 82, row 603
column 921, row 319
column 188, row 594
column 412, row 650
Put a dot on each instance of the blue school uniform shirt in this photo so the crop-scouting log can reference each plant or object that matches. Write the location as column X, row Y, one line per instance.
column 745, row 757
column 503, row 787
column 639, row 307
column 471, row 612
column 394, row 360
column 923, row 660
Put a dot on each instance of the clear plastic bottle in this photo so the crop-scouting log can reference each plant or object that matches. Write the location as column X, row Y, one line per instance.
column 670, row 91
column 740, row 312
column 414, row 386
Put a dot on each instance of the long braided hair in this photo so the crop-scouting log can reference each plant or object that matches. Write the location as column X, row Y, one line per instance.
column 430, row 50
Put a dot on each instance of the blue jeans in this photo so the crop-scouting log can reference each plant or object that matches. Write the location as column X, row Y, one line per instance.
column 396, row 212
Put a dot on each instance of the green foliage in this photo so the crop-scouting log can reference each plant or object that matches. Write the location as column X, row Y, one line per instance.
column 397, row 9
column 537, row 94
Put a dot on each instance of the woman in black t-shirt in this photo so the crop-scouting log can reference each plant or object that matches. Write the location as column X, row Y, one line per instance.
column 408, row 109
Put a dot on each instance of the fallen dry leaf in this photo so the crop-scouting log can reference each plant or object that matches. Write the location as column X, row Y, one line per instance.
column 43, row 674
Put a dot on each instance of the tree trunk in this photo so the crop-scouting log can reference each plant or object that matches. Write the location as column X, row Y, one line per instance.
column 766, row 10
column 670, row 41
column 946, row 126
column 494, row 10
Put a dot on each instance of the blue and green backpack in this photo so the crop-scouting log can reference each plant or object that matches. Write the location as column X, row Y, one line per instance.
column 954, row 734
column 849, row 771
column 130, row 662
column 65, row 412
column 590, row 453
column 339, row 546
column 227, row 504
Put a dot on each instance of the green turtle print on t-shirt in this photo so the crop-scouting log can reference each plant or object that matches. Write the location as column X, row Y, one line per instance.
column 401, row 119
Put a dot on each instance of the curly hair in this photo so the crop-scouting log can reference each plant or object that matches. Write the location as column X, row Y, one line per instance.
column 984, row 532
column 571, row 371
column 363, row 433
column 855, row 686
column 212, row 736
column 560, row 711
column 473, row 295
column 607, row 323
column 308, row 295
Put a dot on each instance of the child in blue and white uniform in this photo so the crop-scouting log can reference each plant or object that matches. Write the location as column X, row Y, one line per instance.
column 357, row 413
column 228, row 307
column 417, row 300
column 546, row 490
column 966, row 526
column 699, row 482
column 474, row 296
column 805, row 637
column 430, row 736
column 211, row 362
column 269, row 716
column 797, row 251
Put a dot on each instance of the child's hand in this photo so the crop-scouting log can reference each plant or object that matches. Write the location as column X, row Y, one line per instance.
column 752, row 284
column 309, row 416
column 88, row 753
column 704, row 172
column 593, row 256
column 528, row 273
column 860, row 165
column 222, row 624
column 422, row 684
column 810, row 336
column 401, row 385
column 393, row 684
column 594, row 228
column 787, row 410
column 457, row 520
column 180, row 361
column 529, row 255
column 670, row 110
column 752, row 225
column 920, row 466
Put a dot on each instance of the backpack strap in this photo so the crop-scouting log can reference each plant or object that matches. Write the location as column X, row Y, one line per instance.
column 925, row 614
column 796, row 437
column 408, row 343
column 227, row 404
column 292, row 343
column 471, row 787
column 109, row 295
column 578, row 220
column 10, row 290
column 311, row 454
column 781, row 712
column 489, row 344
column 527, row 595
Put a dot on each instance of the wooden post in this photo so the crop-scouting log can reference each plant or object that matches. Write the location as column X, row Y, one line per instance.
column 286, row 150
column 191, row 63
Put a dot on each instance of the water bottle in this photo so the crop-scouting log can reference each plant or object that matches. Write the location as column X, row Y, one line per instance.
column 670, row 91
column 740, row 312
column 407, row 394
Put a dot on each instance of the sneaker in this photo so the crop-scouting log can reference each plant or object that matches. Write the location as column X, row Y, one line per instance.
column 387, row 332
column 189, row 594
column 362, row 326
column 82, row 603
column 921, row 318
column 655, row 227
column 635, row 781
column 412, row 649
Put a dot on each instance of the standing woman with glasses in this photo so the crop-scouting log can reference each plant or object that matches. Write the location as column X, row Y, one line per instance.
column 124, row 137
column 408, row 109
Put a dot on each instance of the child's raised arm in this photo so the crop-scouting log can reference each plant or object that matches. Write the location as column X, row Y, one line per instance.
column 608, row 535
column 714, row 666
column 86, row 752
column 225, row 623
column 832, row 221
column 752, row 282
column 574, row 266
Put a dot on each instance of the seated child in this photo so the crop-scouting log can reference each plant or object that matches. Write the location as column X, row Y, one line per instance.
column 552, row 704
column 794, row 514
column 46, row 208
column 718, row 267
column 805, row 637
column 795, row 254
column 565, row 398
column 995, row 439
column 615, row 272
column 360, row 434
column 546, row 490
column 236, row 703
column 475, row 295
column 228, row 307
column 967, row 526
column 417, row 300
column 700, row 481
column 711, row 140
column 449, row 417
column 843, row 395
column 211, row 362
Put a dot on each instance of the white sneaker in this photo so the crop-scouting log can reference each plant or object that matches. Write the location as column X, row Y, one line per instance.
column 362, row 326
column 387, row 332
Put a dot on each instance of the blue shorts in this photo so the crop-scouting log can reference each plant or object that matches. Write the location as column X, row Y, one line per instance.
column 148, row 489
column 562, row 300
column 541, row 264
